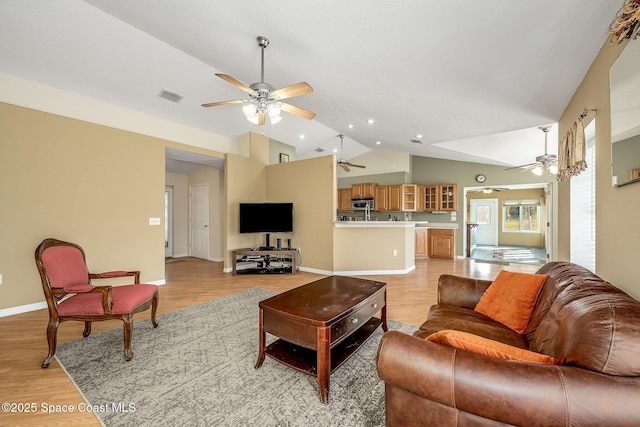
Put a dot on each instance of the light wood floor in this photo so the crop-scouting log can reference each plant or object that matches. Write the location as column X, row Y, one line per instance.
column 189, row 281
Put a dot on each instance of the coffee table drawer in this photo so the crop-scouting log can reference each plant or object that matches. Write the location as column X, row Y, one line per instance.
column 344, row 327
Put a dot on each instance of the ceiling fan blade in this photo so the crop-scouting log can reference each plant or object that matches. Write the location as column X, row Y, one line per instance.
column 300, row 112
column 356, row 166
column 236, row 83
column 534, row 164
column 345, row 167
column 215, row 104
column 293, row 90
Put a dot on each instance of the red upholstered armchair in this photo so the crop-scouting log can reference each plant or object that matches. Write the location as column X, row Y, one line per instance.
column 70, row 294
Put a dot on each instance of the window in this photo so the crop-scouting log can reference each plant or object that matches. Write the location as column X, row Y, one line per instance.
column 521, row 216
column 582, row 205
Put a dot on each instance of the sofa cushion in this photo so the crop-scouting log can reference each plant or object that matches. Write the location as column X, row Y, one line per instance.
column 593, row 325
column 511, row 298
column 487, row 347
column 444, row 316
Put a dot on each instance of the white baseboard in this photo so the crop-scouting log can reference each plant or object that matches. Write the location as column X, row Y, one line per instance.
column 23, row 309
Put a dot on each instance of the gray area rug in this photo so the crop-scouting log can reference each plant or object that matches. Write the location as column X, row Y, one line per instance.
column 197, row 369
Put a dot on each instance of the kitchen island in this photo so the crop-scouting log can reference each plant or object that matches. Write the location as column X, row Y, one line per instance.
column 377, row 247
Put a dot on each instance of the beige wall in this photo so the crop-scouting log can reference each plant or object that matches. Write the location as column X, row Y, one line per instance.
column 311, row 186
column 617, row 219
column 378, row 244
column 180, row 185
column 81, row 182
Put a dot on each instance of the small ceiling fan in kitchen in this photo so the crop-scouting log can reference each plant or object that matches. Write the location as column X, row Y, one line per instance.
column 342, row 162
column 265, row 100
column 488, row 190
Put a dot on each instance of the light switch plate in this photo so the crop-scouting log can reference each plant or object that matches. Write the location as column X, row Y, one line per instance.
column 154, row 221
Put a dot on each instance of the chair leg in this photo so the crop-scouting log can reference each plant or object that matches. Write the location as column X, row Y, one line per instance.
column 128, row 328
column 154, row 308
column 52, row 340
column 87, row 329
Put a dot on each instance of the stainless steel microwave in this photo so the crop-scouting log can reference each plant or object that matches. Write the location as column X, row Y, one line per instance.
column 362, row 204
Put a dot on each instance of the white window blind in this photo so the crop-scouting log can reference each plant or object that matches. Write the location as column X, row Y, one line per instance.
column 583, row 207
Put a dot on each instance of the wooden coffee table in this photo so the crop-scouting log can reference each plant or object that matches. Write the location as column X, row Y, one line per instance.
column 321, row 324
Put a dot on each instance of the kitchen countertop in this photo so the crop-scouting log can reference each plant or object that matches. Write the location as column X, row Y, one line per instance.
column 395, row 224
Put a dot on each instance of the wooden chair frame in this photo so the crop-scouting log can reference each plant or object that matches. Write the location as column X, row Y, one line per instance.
column 54, row 295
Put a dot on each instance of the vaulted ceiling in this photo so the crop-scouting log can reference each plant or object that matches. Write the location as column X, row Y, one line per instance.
column 474, row 78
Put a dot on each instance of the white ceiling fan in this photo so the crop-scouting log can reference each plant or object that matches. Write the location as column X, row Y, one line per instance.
column 544, row 162
column 342, row 162
column 488, row 190
column 264, row 99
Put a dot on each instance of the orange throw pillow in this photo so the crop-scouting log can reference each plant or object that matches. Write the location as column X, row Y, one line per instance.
column 510, row 299
column 487, row 347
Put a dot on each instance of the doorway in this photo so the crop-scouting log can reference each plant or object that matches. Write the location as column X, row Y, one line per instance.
column 484, row 212
column 199, row 220
column 168, row 221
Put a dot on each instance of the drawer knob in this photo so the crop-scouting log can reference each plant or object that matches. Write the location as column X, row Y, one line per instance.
column 374, row 305
column 354, row 320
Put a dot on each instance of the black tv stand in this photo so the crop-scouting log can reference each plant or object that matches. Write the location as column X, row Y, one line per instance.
column 276, row 261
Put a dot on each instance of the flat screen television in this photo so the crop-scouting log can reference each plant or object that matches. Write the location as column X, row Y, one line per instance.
column 266, row 217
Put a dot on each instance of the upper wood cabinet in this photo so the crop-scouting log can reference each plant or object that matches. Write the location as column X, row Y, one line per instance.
column 448, row 194
column 443, row 197
column 381, row 198
column 344, row 199
column 364, row 190
column 403, row 197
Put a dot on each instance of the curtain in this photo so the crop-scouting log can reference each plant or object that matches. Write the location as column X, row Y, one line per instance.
column 572, row 155
column 627, row 22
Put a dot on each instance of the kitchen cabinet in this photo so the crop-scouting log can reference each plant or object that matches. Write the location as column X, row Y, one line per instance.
column 364, row 190
column 441, row 243
column 442, row 197
column 448, row 197
column 420, row 243
column 381, row 199
column 428, row 198
column 403, row 197
column 344, row 199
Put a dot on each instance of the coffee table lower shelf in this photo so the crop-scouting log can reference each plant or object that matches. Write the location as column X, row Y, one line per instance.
column 305, row 360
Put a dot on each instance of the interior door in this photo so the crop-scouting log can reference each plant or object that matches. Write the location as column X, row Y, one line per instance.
column 168, row 221
column 484, row 212
column 199, row 220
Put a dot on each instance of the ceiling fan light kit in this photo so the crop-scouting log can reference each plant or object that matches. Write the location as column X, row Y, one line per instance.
column 264, row 100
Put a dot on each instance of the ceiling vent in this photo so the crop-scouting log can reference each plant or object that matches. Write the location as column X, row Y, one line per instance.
column 319, row 150
column 416, row 141
column 170, row 96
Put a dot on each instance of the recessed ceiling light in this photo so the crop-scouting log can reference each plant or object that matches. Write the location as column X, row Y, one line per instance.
column 335, row 150
column 350, row 126
column 371, row 121
column 378, row 142
column 301, row 136
column 419, row 136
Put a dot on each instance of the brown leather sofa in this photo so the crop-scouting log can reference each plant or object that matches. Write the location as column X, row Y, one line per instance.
column 591, row 327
